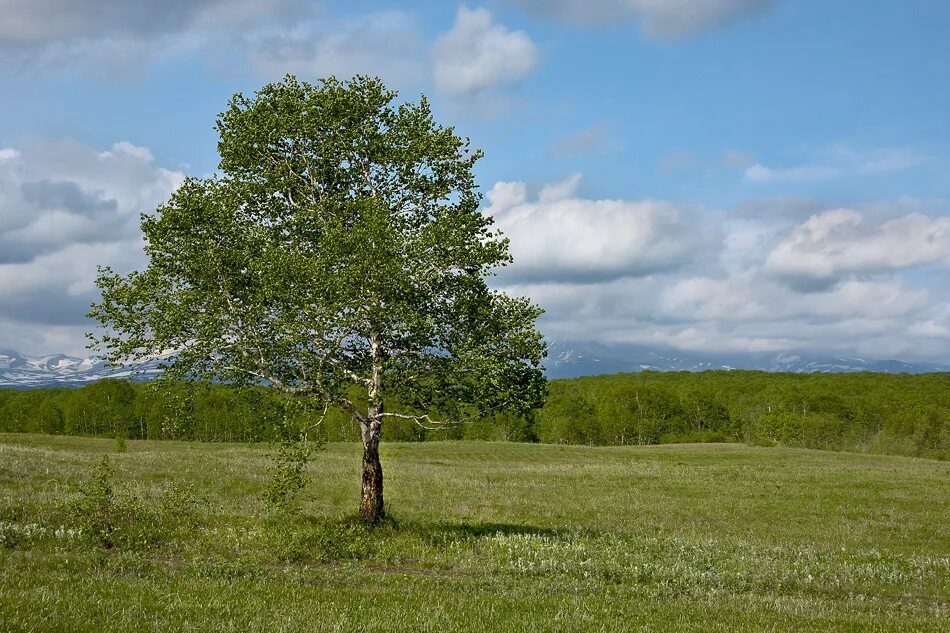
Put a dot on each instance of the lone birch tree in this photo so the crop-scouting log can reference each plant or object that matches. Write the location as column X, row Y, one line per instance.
column 340, row 243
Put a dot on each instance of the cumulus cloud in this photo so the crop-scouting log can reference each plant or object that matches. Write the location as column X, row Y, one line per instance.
column 477, row 54
column 64, row 209
column 864, row 317
column 668, row 19
column 840, row 242
column 560, row 236
column 730, row 314
column 737, row 314
column 774, row 276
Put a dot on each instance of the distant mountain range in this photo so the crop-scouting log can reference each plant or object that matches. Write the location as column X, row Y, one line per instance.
column 20, row 371
column 569, row 359
column 565, row 360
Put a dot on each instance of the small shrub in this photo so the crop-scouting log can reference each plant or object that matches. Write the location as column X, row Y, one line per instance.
column 95, row 511
column 126, row 520
column 288, row 475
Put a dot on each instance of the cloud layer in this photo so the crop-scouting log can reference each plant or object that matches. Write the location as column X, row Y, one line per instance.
column 387, row 44
column 864, row 280
column 271, row 38
column 668, row 19
column 105, row 36
column 64, row 209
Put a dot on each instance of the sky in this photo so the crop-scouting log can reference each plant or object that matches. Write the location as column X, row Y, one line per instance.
column 706, row 175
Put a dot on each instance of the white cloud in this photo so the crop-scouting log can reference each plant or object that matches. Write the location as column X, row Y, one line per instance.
column 561, row 236
column 747, row 314
column 385, row 44
column 64, row 209
column 124, row 147
column 751, row 298
column 839, row 242
column 268, row 37
column 761, row 173
column 105, row 36
column 478, row 54
column 839, row 161
column 867, row 281
column 669, row 19
column 562, row 190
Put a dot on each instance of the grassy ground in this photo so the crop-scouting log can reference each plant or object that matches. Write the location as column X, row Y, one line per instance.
column 486, row 537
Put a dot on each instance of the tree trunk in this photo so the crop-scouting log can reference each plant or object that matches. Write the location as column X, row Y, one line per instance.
column 371, row 497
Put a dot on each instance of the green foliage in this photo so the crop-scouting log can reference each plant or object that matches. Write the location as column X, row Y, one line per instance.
column 902, row 414
column 341, row 245
column 880, row 413
column 288, row 475
column 96, row 512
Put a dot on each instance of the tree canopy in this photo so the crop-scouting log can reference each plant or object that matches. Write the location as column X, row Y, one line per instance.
column 341, row 242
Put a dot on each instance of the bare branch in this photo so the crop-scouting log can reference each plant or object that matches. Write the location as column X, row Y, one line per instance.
column 422, row 420
column 306, row 430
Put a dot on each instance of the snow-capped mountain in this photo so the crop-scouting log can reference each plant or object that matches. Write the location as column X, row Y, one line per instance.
column 565, row 360
column 569, row 359
column 20, row 371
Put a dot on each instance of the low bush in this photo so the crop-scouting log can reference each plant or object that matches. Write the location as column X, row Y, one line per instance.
column 122, row 519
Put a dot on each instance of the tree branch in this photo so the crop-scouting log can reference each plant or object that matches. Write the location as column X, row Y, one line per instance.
column 352, row 410
column 434, row 425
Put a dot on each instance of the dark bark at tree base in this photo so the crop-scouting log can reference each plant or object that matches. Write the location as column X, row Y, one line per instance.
column 371, row 497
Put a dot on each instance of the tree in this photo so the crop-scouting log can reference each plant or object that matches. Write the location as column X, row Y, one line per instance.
column 340, row 244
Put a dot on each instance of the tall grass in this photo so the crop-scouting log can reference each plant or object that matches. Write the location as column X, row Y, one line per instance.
column 485, row 537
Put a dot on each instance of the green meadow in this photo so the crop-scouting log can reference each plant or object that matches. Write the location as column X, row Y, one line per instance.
column 482, row 536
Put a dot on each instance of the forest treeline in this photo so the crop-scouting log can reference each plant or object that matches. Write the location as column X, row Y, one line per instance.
column 880, row 413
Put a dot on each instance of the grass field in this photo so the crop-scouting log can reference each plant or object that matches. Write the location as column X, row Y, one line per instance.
column 485, row 537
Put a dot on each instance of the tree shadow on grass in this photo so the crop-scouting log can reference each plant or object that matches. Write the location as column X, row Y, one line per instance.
column 446, row 532
column 434, row 533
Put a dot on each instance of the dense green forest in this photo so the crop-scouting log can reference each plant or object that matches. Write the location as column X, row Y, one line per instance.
column 881, row 413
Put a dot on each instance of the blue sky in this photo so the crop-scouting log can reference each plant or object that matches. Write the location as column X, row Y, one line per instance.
column 718, row 175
